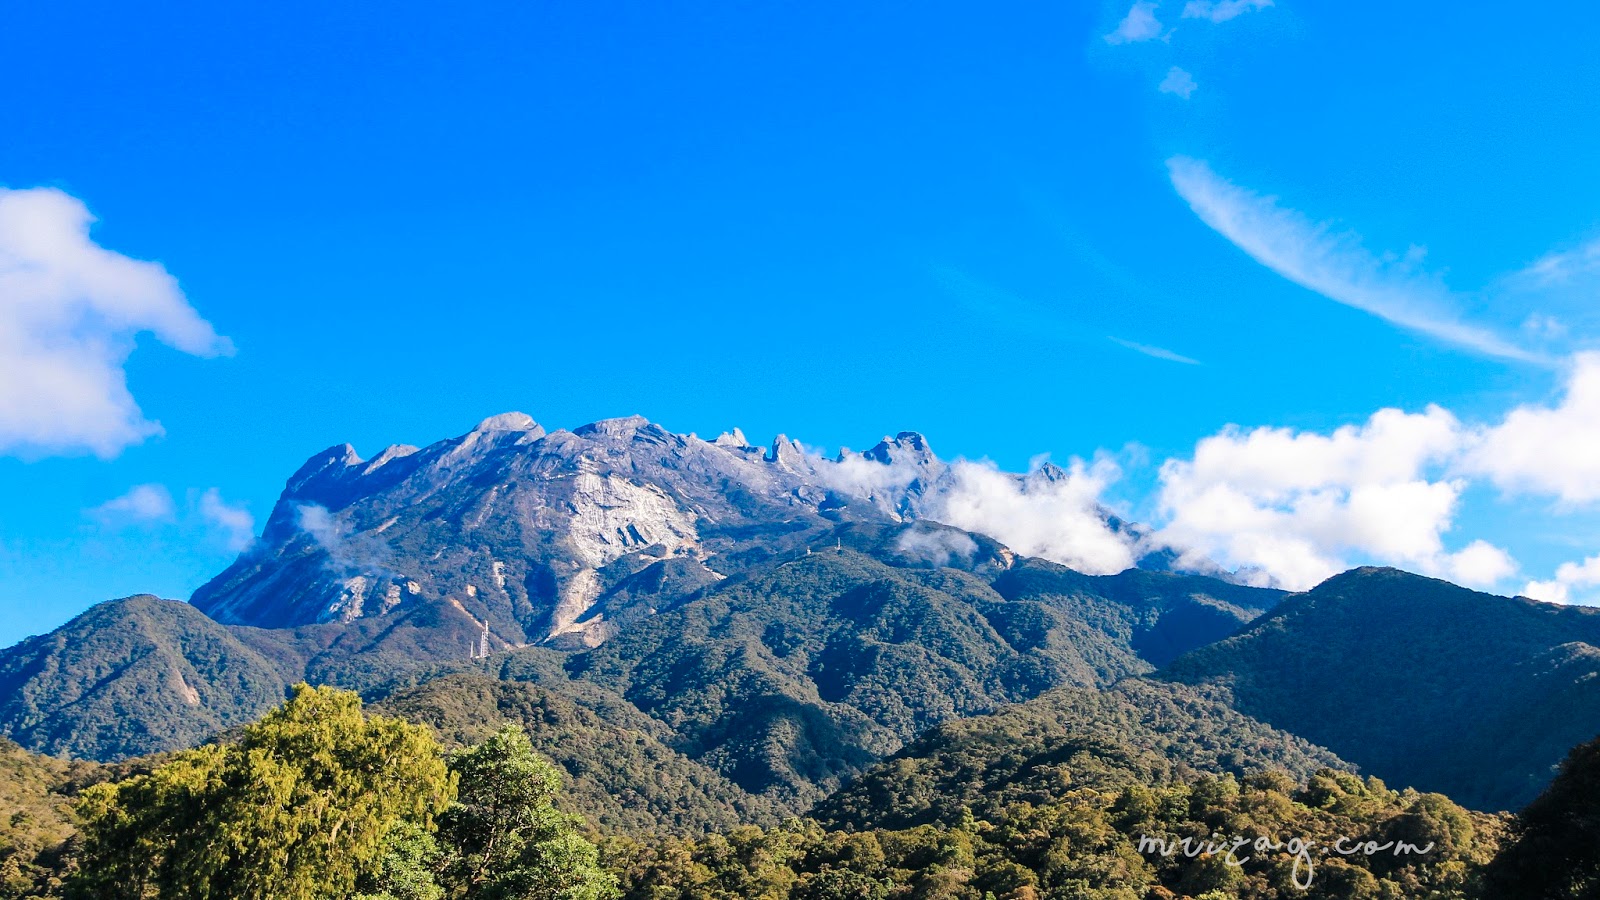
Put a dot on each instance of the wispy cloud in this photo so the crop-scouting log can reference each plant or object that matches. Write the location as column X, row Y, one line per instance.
column 1140, row 24
column 1154, row 352
column 1563, row 266
column 1178, row 82
column 1221, row 10
column 1333, row 263
column 142, row 503
column 231, row 520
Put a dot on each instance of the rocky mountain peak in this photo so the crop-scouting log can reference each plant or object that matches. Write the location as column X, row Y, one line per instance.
column 509, row 421
column 624, row 426
column 907, row 447
column 547, row 536
column 734, row 440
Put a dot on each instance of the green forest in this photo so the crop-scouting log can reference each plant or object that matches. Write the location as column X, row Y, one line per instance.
column 323, row 798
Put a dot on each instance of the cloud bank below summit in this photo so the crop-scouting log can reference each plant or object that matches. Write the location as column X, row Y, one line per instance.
column 1289, row 508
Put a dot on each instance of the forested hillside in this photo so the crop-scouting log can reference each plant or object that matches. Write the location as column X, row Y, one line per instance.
column 1419, row 681
column 1136, row 732
column 130, row 677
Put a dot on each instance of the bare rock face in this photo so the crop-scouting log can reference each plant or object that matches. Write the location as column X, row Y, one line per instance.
column 541, row 535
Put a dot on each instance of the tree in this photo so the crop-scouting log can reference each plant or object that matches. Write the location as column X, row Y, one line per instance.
column 1555, row 854
column 302, row 807
column 504, row 838
column 406, row 869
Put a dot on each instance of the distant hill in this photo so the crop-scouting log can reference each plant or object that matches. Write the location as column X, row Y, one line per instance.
column 1419, row 681
column 1075, row 794
column 133, row 676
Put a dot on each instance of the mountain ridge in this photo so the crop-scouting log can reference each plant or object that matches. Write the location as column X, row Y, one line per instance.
column 1342, row 666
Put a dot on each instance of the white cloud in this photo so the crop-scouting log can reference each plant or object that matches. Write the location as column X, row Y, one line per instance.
column 1178, row 82
column 348, row 552
column 1568, row 576
column 69, row 312
column 232, row 520
column 1295, row 505
column 1221, row 10
column 1331, row 263
column 1060, row 520
column 1480, row 564
column 1154, row 352
column 142, row 503
column 936, row 546
column 1550, row 450
column 1140, row 24
column 856, row 474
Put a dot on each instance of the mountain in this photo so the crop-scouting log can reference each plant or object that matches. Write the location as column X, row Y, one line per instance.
column 849, row 636
column 1419, row 681
column 566, row 536
column 533, row 533
column 130, row 677
column 617, row 543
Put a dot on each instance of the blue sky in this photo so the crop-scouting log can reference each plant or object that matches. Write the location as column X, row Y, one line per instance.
column 1061, row 228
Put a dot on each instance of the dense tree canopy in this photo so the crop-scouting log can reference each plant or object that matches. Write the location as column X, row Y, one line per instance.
column 319, row 801
column 1086, row 845
column 298, row 809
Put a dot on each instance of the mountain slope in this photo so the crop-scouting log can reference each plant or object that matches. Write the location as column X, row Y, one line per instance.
column 1143, row 732
column 1419, row 681
column 129, row 677
column 1159, row 615
column 790, row 680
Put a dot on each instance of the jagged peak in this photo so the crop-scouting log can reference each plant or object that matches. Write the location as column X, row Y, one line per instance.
column 614, row 427
column 338, row 457
column 508, row 421
column 1048, row 472
column 734, row 440
column 914, row 440
column 905, row 446
column 389, row 454
column 785, row 451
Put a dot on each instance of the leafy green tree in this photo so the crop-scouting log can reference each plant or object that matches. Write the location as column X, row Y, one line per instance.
column 301, row 808
column 406, row 869
column 504, row 837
